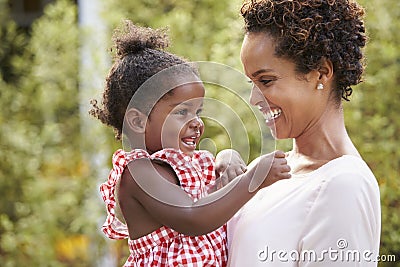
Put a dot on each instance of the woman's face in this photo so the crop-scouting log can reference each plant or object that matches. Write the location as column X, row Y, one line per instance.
column 289, row 101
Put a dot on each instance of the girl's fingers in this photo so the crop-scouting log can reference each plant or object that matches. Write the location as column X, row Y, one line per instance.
column 286, row 168
column 285, row 175
column 279, row 154
column 243, row 167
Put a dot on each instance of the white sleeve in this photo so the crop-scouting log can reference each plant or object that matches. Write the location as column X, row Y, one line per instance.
column 343, row 225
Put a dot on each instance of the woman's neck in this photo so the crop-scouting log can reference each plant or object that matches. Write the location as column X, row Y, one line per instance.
column 325, row 141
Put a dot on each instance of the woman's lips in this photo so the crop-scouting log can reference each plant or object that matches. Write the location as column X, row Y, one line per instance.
column 271, row 114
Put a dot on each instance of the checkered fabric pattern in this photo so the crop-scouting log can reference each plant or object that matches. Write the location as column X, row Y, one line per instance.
column 165, row 247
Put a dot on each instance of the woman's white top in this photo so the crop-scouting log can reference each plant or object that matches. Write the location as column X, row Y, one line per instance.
column 328, row 217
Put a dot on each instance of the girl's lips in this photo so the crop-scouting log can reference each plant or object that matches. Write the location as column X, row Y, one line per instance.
column 189, row 141
column 192, row 140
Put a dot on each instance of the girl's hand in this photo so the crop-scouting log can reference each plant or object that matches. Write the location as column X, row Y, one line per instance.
column 228, row 165
column 267, row 169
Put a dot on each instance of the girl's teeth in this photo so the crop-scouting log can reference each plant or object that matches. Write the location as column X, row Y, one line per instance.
column 189, row 142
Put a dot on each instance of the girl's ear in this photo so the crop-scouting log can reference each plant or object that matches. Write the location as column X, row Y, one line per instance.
column 136, row 120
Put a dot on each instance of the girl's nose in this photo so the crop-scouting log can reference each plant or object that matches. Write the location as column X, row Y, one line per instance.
column 256, row 96
column 196, row 123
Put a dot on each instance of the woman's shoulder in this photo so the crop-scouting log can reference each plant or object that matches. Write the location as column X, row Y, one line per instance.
column 347, row 189
column 348, row 173
column 347, row 165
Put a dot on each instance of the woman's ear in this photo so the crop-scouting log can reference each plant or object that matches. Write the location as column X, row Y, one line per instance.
column 136, row 120
column 325, row 71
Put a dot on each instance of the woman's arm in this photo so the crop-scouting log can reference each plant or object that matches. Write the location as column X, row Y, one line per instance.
column 171, row 206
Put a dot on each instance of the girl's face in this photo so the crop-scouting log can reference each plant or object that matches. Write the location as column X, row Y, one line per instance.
column 289, row 101
column 174, row 121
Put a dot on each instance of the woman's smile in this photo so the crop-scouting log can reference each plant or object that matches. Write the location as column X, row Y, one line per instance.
column 271, row 115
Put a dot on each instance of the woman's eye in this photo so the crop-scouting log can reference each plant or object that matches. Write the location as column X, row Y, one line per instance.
column 265, row 81
column 198, row 112
column 261, row 81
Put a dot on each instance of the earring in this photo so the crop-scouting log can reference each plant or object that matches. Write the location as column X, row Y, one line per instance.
column 320, row 86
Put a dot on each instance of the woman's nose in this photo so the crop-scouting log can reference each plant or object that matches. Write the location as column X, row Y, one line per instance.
column 256, row 96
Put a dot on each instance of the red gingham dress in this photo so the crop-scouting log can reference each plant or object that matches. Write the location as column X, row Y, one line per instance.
column 166, row 247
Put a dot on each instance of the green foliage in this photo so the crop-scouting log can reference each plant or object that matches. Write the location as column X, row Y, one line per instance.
column 372, row 115
column 12, row 46
column 201, row 30
column 14, row 146
column 43, row 176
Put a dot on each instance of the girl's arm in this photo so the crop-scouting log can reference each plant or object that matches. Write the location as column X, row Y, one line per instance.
column 151, row 186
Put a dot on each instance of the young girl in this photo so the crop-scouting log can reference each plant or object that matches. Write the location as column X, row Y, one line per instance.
column 162, row 183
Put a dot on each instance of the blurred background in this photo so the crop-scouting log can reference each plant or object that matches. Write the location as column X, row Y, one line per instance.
column 54, row 55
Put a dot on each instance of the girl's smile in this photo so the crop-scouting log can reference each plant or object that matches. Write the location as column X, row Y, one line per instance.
column 175, row 120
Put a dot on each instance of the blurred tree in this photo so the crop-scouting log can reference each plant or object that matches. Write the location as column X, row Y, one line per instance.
column 372, row 115
column 201, row 30
column 43, row 176
column 12, row 44
column 13, row 135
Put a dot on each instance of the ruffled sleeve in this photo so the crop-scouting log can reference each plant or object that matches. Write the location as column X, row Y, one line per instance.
column 113, row 228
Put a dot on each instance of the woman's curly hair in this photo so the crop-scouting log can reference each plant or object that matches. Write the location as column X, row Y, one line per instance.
column 139, row 54
column 307, row 31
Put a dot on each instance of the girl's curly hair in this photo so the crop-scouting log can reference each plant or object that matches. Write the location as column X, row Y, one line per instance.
column 307, row 31
column 138, row 55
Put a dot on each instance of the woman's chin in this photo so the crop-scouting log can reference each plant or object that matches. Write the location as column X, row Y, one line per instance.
column 278, row 135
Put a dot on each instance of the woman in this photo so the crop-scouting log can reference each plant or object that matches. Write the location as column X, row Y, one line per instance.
column 302, row 57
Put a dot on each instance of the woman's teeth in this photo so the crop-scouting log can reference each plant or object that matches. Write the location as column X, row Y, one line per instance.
column 272, row 114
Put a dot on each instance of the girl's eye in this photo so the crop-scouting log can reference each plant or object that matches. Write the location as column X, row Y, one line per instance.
column 182, row 112
column 199, row 112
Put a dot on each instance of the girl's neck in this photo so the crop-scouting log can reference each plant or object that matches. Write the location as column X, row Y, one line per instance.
column 135, row 142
